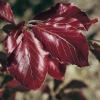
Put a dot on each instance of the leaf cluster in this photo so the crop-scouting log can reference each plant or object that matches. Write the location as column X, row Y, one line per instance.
column 46, row 44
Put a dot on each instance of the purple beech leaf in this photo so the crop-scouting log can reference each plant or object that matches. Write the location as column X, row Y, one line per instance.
column 14, row 38
column 16, row 44
column 63, row 42
column 54, row 42
column 66, row 10
column 56, row 69
column 27, row 63
column 6, row 12
column 72, row 21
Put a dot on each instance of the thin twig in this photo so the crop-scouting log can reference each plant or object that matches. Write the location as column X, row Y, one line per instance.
column 35, row 21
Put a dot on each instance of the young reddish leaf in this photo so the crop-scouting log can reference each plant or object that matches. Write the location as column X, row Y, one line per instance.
column 57, row 29
column 14, row 38
column 63, row 42
column 6, row 12
column 27, row 63
column 56, row 69
column 66, row 10
column 95, row 49
column 13, row 45
column 72, row 21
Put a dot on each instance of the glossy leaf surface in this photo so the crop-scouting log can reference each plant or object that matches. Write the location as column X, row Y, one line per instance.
column 56, row 69
column 6, row 12
column 66, row 10
column 72, row 21
column 27, row 63
column 53, row 42
column 59, row 33
column 63, row 42
column 14, row 38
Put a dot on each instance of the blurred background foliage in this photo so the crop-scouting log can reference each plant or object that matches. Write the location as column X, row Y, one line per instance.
column 26, row 10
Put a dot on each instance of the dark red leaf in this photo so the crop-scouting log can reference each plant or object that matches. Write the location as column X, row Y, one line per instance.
column 6, row 12
column 55, row 42
column 27, row 62
column 72, row 21
column 14, row 38
column 63, row 42
column 95, row 49
column 66, row 10
column 76, row 84
column 56, row 69
column 18, row 42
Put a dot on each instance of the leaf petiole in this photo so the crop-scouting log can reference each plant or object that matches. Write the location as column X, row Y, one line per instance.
column 35, row 21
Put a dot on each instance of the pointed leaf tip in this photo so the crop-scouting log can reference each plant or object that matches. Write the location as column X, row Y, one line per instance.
column 54, row 42
column 6, row 12
column 64, row 42
column 56, row 69
column 27, row 61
